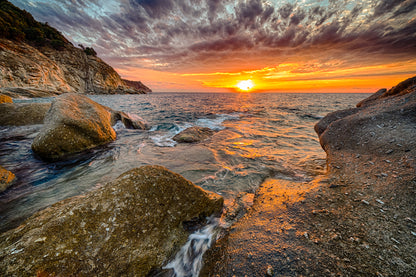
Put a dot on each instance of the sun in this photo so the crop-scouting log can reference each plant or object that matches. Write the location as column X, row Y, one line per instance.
column 245, row 85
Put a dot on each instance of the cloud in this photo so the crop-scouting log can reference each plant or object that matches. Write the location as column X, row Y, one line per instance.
column 182, row 35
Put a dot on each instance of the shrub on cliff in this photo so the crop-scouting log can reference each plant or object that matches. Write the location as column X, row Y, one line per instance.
column 19, row 25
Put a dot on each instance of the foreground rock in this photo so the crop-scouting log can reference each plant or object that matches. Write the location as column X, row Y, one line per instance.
column 74, row 123
column 20, row 114
column 193, row 134
column 127, row 228
column 384, row 126
column 358, row 220
column 6, row 178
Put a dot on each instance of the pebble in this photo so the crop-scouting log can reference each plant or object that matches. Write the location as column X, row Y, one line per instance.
column 409, row 219
column 379, row 201
column 269, row 270
column 395, row 240
column 39, row 240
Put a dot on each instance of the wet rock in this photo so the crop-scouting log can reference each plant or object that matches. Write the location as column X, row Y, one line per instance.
column 20, row 114
column 6, row 179
column 128, row 122
column 193, row 134
column 129, row 227
column 5, row 99
column 74, row 123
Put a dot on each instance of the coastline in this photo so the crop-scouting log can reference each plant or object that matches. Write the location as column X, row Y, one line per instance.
column 298, row 228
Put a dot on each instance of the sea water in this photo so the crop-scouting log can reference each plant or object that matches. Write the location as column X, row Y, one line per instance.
column 257, row 136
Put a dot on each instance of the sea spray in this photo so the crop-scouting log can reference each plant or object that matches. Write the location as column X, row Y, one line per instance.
column 188, row 261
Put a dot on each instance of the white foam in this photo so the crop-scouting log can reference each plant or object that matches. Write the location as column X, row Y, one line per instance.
column 216, row 123
column 188, row 261
column 165, row 139
column 119, row 126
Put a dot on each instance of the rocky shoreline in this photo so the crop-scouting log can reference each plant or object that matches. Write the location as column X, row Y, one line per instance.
column 359, row 219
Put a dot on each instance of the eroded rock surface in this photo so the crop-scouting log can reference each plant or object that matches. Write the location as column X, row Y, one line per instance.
column 127, row 228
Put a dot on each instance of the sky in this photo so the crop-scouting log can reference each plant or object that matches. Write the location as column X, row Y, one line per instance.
column 213, row 45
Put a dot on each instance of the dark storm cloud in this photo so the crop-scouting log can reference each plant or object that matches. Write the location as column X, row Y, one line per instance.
column 386, row 6
column 407, row 7
column 178, row 34
column 286, row 10
column 154, row 8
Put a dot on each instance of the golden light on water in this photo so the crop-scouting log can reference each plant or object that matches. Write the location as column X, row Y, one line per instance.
column 245, row 85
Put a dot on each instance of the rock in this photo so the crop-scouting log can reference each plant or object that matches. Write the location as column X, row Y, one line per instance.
column 129, row 227
column 74, row 123
column 5, row 99
column 372, row 98
column 381, row 127
column 323, row 124
column 6, row 179
column 137, row 85
column 405, row 87
column 128, row 122
column 20, row 114
column 28, row 92
column 193, row 134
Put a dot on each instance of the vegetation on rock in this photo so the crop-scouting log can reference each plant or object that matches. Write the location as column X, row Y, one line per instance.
column 19, row 25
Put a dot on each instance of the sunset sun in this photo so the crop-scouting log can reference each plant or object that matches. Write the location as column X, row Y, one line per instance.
column 245, row 85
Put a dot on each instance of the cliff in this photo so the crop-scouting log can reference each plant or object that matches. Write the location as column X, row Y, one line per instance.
column 36, row 60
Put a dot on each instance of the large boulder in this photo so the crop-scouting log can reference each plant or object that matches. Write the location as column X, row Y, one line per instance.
column 129, row 227
column 74, row 123
column 6, row 178
column 193, row 134
column 20, row 114
column 384, row 125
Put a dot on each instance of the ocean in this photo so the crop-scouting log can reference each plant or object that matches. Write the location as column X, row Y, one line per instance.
column 257, row 136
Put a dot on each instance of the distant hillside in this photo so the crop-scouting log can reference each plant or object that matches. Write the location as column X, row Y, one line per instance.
column 137, row 85
column 18, row 25
column 37, row 60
